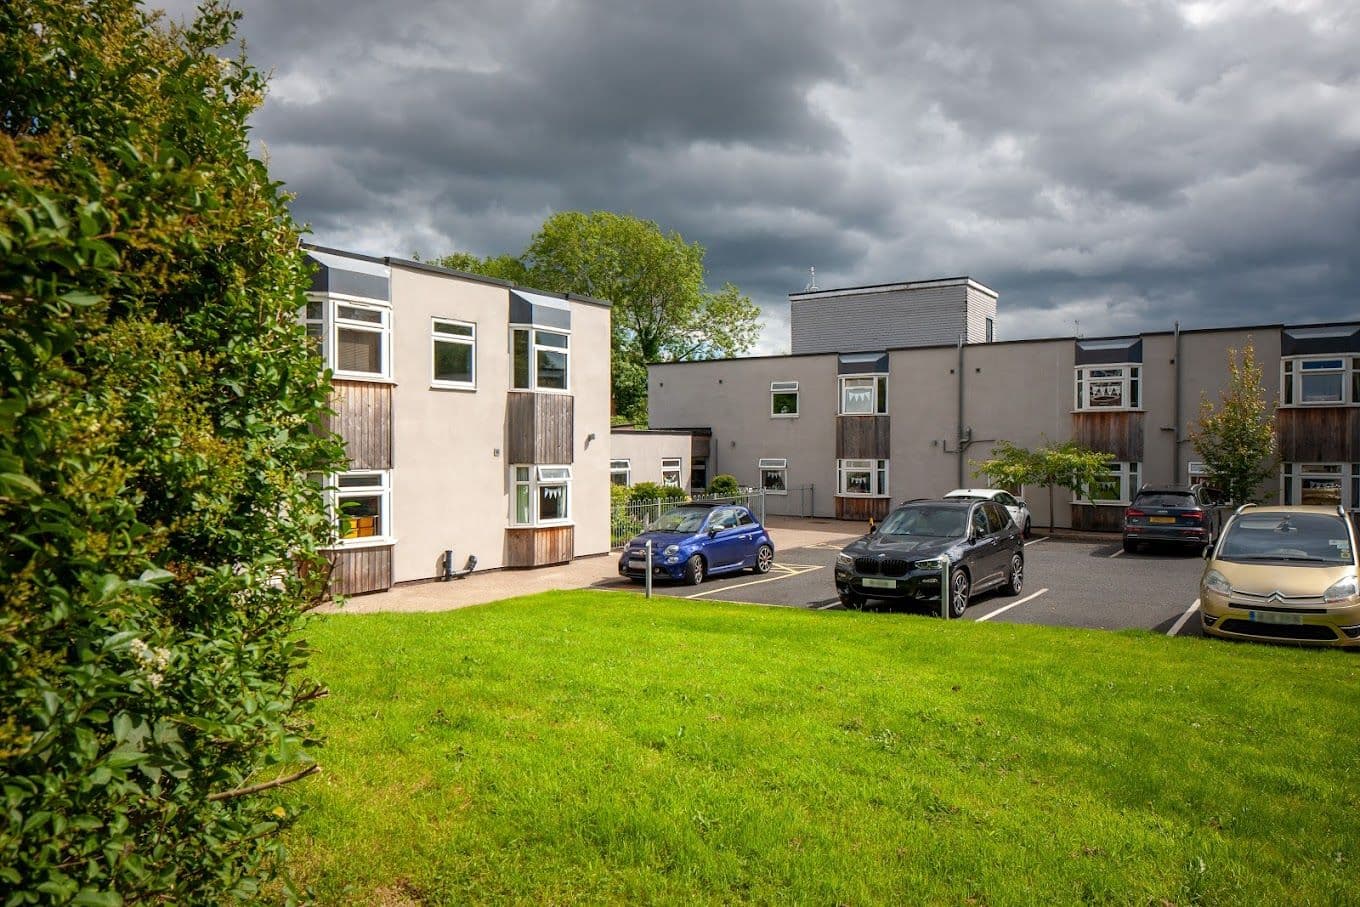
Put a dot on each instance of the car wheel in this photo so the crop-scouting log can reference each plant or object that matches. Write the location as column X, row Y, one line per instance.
column 959, row 590
column 694, row 570
column 1015, row 577
column 764, row 559
column 1130, row 546
column 852, row 600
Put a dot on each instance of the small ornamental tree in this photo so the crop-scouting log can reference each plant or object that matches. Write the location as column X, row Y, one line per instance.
column 157, row 405
column 724, row 484
column 1062, row 465
column 1236, row 440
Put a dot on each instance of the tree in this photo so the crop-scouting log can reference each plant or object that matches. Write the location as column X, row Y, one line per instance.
column 158, row 400
column 1237, row 440
column 663, row 311
column 501, row 267
column 1063, row 465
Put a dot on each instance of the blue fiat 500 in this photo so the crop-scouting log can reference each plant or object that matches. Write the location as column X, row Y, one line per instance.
column 695, row 540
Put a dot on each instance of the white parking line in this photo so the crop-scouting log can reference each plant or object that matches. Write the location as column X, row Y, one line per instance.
column 1013, row 604
column 828, row 607
column 1118, row 553
column 756, row 582
column 1180, row 622
column 1042, row 538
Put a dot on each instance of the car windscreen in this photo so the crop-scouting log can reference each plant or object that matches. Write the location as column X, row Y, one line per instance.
column 1290, row 537
column 939, row 522
column 681, row 519
column 1165, row 499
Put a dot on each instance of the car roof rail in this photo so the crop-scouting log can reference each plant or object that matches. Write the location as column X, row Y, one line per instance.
column 916, row 500
column 1242, row 508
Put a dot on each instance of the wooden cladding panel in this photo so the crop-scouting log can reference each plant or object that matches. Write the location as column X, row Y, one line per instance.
column 360, row 570
column 863, row 509
column 539, row 546
column 1097, row 518
column 862, row 438
column 363, row 418
column 1120, row 434
column 540, row 428
column 1325, row 434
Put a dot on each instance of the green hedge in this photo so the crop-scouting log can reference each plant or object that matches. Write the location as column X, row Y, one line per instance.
column 651, row 492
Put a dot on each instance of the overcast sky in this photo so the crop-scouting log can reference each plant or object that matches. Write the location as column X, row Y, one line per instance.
column 1120, row 165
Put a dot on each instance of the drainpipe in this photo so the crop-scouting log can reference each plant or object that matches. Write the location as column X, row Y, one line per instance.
column 1176, row 443
column 959, row 443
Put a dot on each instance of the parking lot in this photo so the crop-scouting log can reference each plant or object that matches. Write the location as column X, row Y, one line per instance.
column 1068, row 583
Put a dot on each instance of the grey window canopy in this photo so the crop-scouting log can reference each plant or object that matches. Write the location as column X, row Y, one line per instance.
column 862, row 364
column 539, row 310
column 1311, row 341
column 348, row 276
column 1110, row 351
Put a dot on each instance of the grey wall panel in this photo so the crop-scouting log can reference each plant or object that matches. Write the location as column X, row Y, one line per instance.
column 876, row 321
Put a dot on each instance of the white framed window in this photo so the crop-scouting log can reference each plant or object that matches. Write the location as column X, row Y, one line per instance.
column 1322, row 484
column 774, row 475
column 354, row 338
column 1109, row 387
column 783, row 399
column 670, row 471
column 540, row 359
column 1118, row 486
column 862, row 478
column 453, row 354
column 863, row 395
column 361, row 504
column 540, row 495
column 621, row 472
column 1320, row 381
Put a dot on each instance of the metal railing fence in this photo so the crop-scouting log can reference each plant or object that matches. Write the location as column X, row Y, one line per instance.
column 628, row 520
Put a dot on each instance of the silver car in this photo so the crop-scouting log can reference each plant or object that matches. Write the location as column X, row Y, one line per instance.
column 1017, row 508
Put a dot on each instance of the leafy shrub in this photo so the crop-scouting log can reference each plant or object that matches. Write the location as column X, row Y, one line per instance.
column 724, row 484
column 651, row 492
column 157, row 399
column 619, row 496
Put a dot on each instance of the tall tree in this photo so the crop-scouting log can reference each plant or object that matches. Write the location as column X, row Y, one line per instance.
column 1236, row 440
column 159, row 541
column 663, row 309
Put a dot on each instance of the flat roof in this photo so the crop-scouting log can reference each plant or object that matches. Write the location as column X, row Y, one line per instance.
column 1071, row 339
column 808, row 295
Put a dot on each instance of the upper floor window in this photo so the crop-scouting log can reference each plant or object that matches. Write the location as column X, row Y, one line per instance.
column 670, row 471
column 540, row 359
column 541, row 495
column 362, row 504
column 863, row 395
column 991, row 330
column 865, row 478
column 774, row 475
column 1116, row 487
column 1109, row 387
column 783, row 399
column 621, row 472
column 354, row 339
column 1320, row 381
column 455, row 353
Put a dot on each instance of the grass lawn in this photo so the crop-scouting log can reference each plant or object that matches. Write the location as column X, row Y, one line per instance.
column 588, row 747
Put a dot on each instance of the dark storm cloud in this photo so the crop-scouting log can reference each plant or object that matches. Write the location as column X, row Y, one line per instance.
column 1120, row 165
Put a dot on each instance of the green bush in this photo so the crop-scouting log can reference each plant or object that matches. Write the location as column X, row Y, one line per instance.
column 651, row 492
column 619, row 495
column 157, row 400
column 724, row 484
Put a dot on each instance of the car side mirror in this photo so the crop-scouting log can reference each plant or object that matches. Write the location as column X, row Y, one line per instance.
column 712, row 531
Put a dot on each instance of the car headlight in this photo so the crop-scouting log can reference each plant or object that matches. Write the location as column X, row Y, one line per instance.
column 932, row 563
column 844, row 560
column 1218, row 583
column 1341, row 590
column 672, row 549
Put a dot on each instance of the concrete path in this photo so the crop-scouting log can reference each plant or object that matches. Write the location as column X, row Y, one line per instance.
column 788, row 534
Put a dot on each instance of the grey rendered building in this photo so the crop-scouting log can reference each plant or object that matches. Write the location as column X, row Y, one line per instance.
column 853, row 426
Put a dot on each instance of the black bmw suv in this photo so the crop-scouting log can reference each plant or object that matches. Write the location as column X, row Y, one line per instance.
column 906, row 555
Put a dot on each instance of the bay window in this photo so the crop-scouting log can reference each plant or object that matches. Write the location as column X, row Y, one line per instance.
column 863, row 395
column 774, row 475
column 862, row 478
column 1320, row 381
column 454, row 353
column 1321, row 484
column 540, row 359
column 1109, row 387
column 541, row 495
column 361, row 504
column 353, row 339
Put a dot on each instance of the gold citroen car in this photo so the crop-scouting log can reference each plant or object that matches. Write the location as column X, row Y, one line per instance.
column 1287, row 574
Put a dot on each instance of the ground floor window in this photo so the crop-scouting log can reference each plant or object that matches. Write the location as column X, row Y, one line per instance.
column 698, row 474
column 362, row 504
column 670, row 471
column 620, row 473
column 541, row 495
column 1118, row 486
column 1323, row 484
column 774, row 476
column 862, row 478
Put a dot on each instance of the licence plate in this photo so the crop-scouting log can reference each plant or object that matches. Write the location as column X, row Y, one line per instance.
column 879, row 583
column 1275, row 617
column 1161, row 519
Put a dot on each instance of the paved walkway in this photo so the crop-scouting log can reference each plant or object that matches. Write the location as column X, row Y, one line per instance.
column 493, row 585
